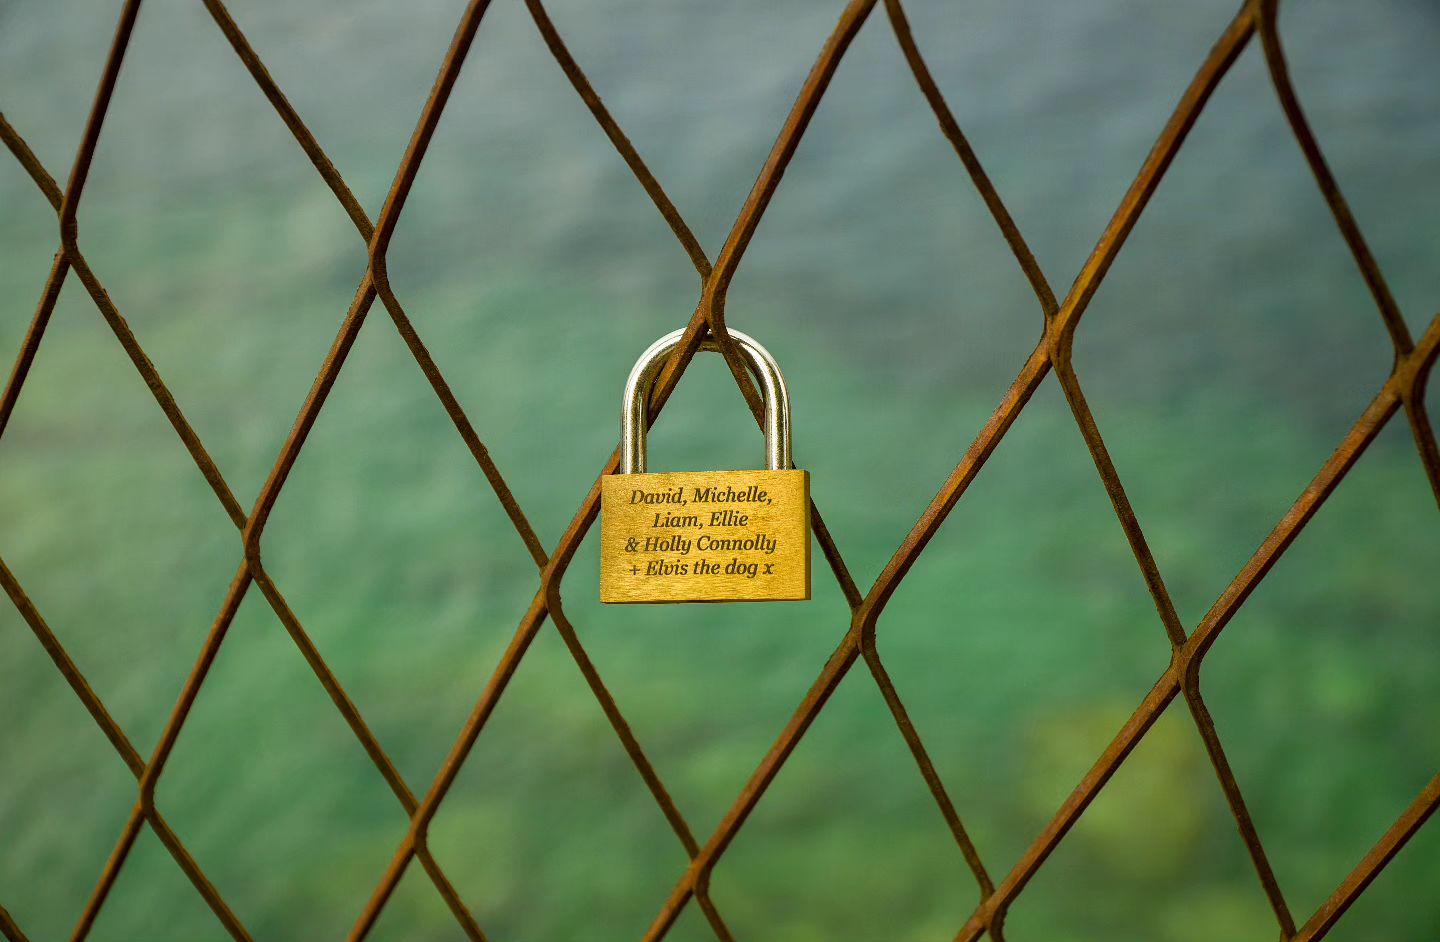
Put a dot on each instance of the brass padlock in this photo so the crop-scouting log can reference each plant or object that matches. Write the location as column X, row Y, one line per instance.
column 705, row 536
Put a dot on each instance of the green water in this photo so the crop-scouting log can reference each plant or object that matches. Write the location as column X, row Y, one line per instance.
column 1225, row 355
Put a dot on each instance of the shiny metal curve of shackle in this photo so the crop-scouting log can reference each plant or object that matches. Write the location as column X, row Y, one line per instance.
column 633, row 411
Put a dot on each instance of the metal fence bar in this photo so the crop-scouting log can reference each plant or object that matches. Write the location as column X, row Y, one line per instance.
column 1403, row 389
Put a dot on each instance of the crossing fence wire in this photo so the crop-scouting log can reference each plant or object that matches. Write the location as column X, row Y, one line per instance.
column 995, row 892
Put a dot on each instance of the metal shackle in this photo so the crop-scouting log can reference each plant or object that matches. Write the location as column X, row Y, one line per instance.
column 647, row 368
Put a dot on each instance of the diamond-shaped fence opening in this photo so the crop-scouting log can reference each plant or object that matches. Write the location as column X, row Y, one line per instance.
column 414, row 878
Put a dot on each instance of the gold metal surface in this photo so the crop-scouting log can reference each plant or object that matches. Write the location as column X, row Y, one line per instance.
column 705, row 536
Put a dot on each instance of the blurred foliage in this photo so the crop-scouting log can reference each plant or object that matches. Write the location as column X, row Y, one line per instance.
column 1225, row 355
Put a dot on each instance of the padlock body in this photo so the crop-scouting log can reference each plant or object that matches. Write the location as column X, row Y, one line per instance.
column 705, row 536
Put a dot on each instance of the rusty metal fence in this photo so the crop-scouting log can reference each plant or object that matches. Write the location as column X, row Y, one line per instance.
column 1404, row 389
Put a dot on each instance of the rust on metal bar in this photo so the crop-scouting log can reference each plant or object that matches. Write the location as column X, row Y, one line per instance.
column 857, row 637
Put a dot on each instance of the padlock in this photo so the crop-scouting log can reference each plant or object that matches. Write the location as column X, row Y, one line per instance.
column 705, row 536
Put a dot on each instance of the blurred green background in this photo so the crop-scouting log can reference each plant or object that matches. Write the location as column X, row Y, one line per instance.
column 1225, row 355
